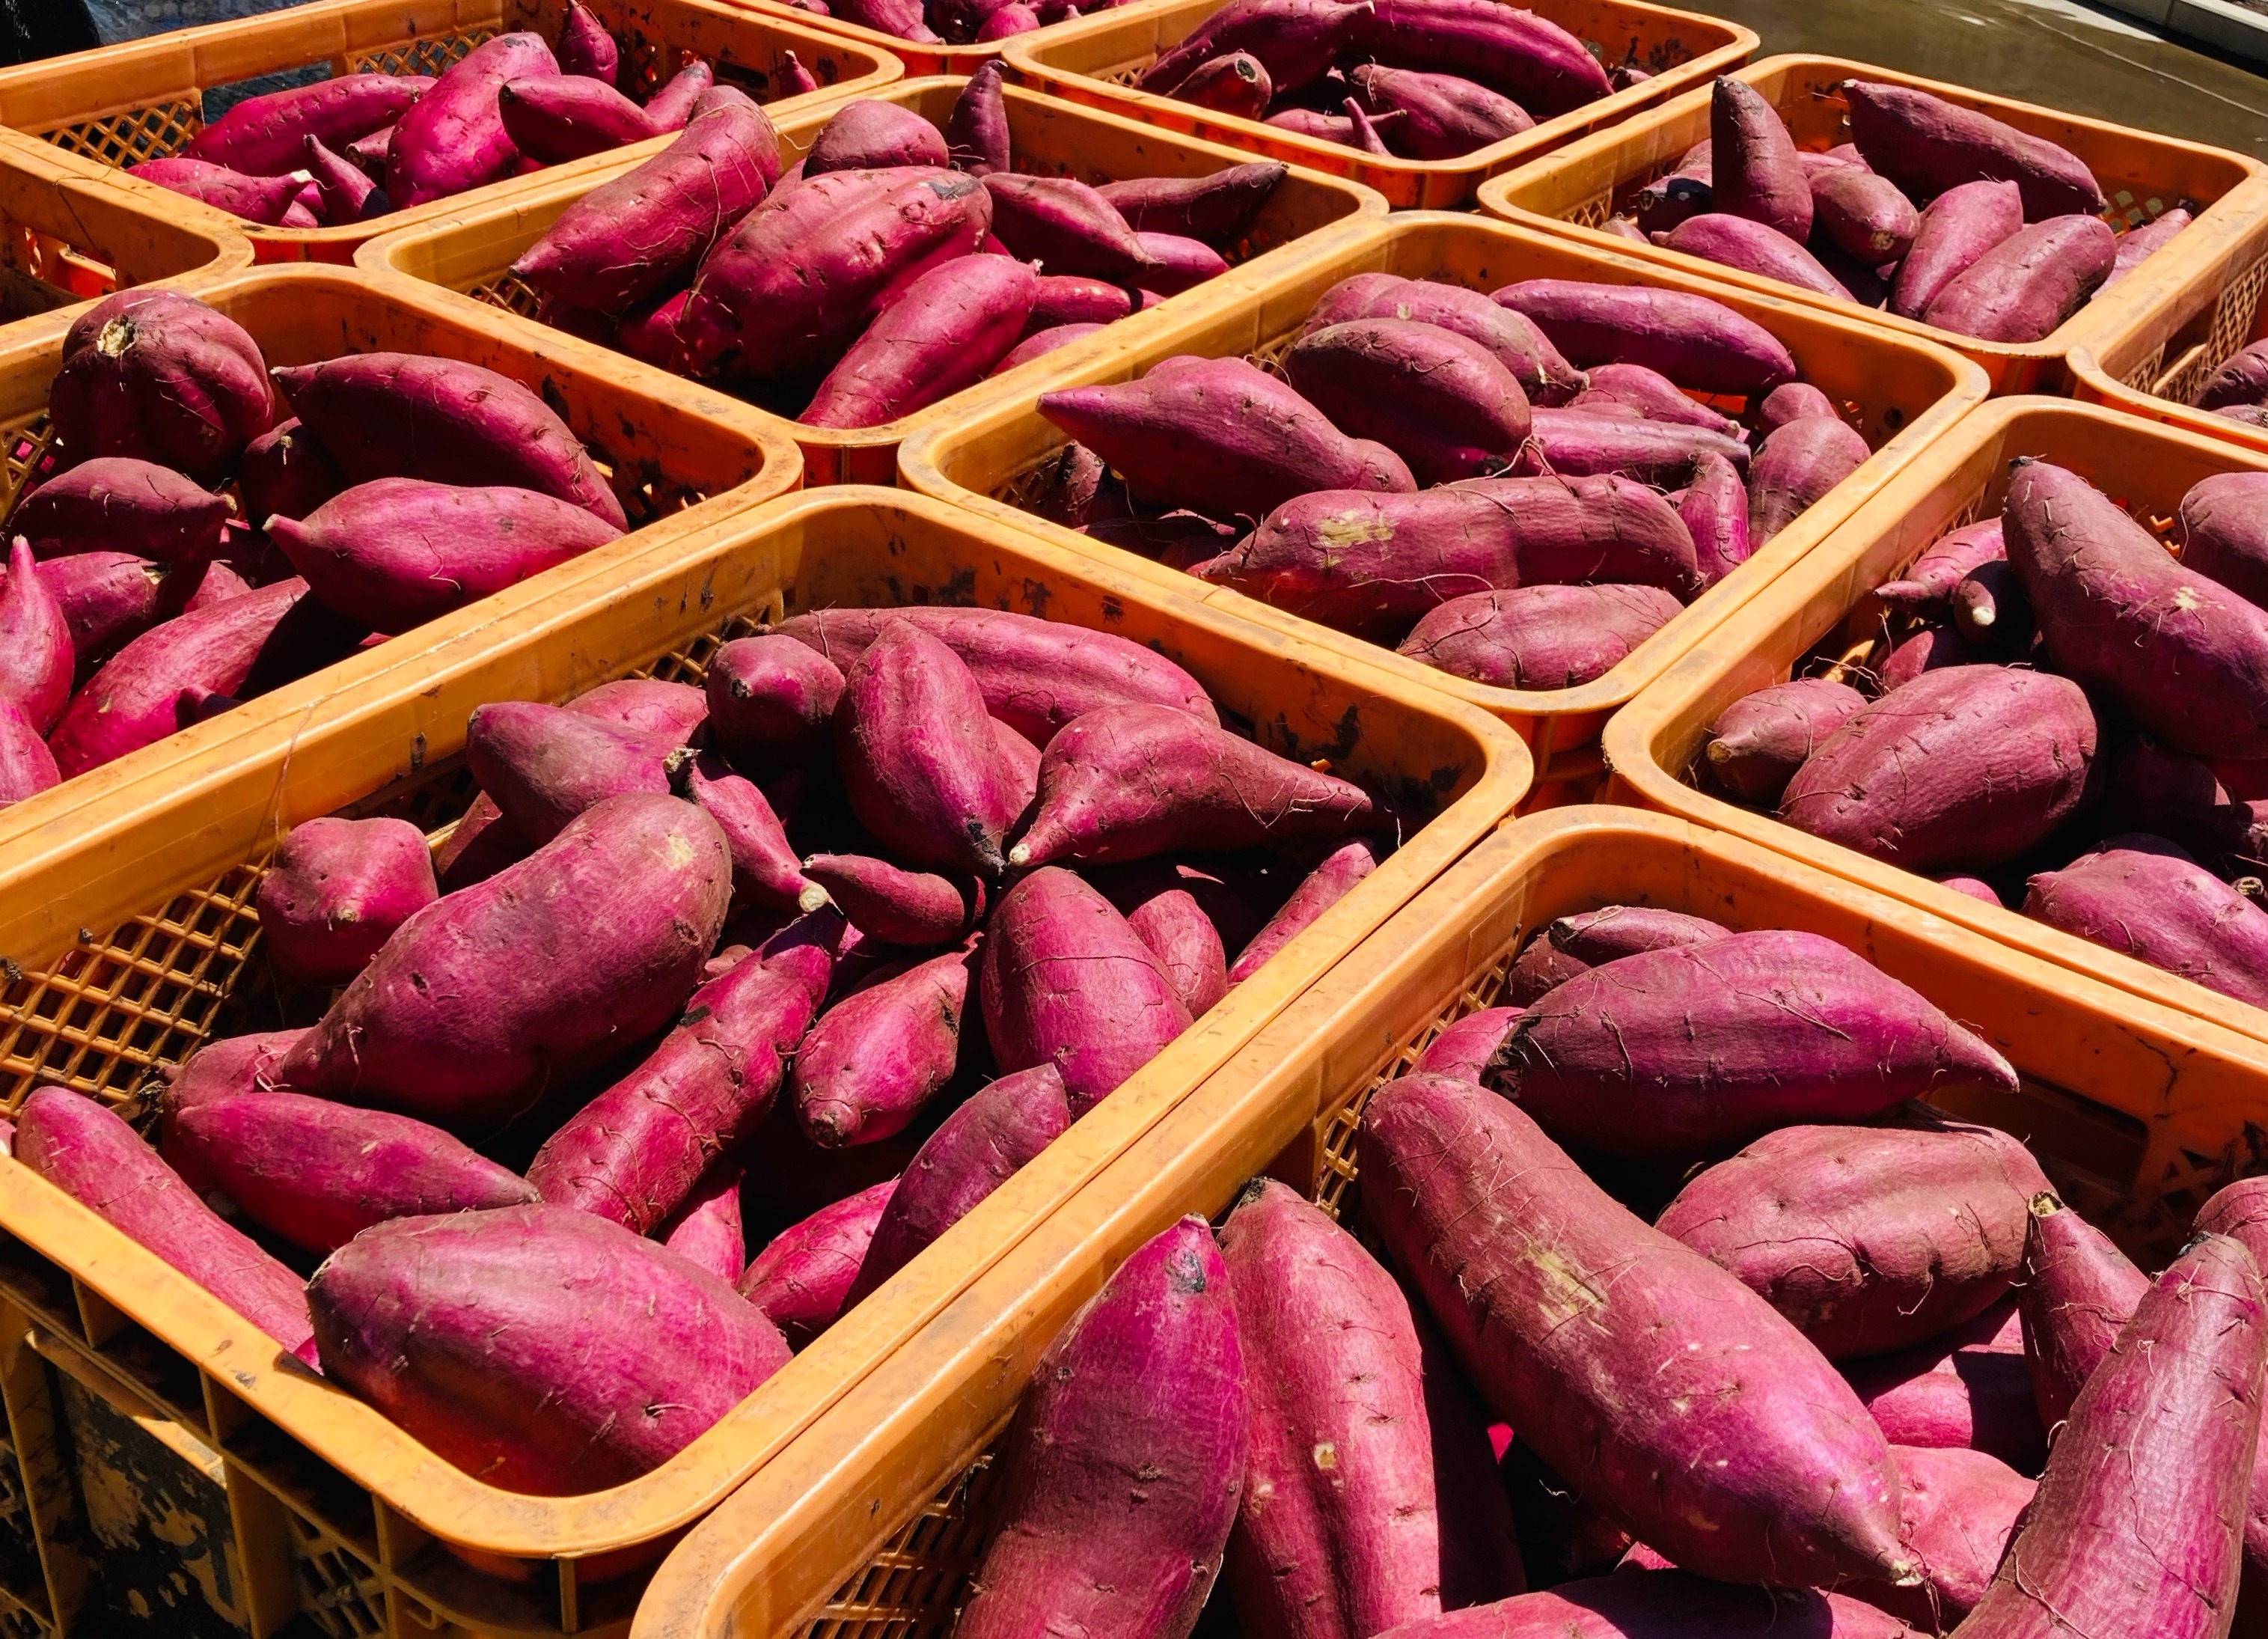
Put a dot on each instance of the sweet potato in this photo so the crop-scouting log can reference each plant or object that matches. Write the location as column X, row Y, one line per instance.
column 2079, row 1292
column 1176, row 263
column 1956, row 228
column 2028, row 285
column 1541, row 968
column 1219, row 437
column 1444, row 116
column 806, row 271
column 1443, row 403
column 1714, row 510
column 1067, row 300
column 2136, row 1527
column 1662, row 1604
column 1992, row 614
column 484, row 999
column 1237, row 83
column 1528, row 58
column 108, row 598
column 1343, row 1530
column 684, row 91
column 1927, row 146
column 412, row 416
column 1217, row 208
column 586, row 47
column 163, row 378
column 1295, row 40
column 2236, row 1211
column 1539, row 637
column 2144, row 897
column 286, row 472
column 1583, row 443
column 263, row 136
column 1064, row 979
column 897, row 907
column 453, row 137
column 943, row 332
column 2223, row 530
column 1653, row 394
column 1753, row 172
column 876, row 1059
column 540, row 1347
column 542, row 766
column 667, row 213
column 2178, row 654
column 1675, row 1053
column 86, row 1151
column 1320, row 890
column 770, row 700
column 1368, row 565
column 1039, row 344
column 1064, row 225
column 1796, row 468
column 1862, row 215
column 1957, row 1511
column 1172, row 909
column 1931, row 647
column 1464, row 1049
column 1507, row 1240
column 1869, row 1239
column 1616, row 931
column 864, row 134
column 26, row 766
column 35, row 642
column 1943, row 565
column 1010, row 20
column 802, row 1280
column 264, row 200
column 977, row 131
column 1137, row 1561
column 1792, row 400
column 557, row 117
column 706, row 1229
column 231, row 1066
column 976, row 1150
column 1969, row 1389
column 765, row 875
column 1752, row 247
column 1759, row 742
column 1512, row 337
column 1036, row 675
column 1695, row 341
column 117, row 504
column 2242, row 379
column 337, row 891
column 1966, row 767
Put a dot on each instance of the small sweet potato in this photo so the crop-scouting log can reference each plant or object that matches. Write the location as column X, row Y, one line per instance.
column 586, row 47
column 1735, row 242
column 770, row 700
column 1616, row 931
column 1464, row 1049
column 1957, row 1511
column 1161, row 904
column 557, row 117
column 2029, row 284
column 864, row 134
column 35, row 642
column 1967, row 1391
column 117, row 504
column 2242, row 379
column 286, row 472
column 1759, row 742
column 1931, row 647
column 2144, row 897
column 1956, row 228
column 1697, row 343
column 976, row 132
column 1540, row 637
column 1943, row 564
column 1927, row 145
column 1653, row 394
column 1796, row 468
column 337, row 891
column 706, row 1229
column 897, row 907
column 1237, row 83
column 2079, row 1292
column 802, row 1279
column 694, row 84
column 1317, row 892
column 874, row 1060
column 942, row 333
column 163, row 378
column 1791, row 400
column 1753, row 172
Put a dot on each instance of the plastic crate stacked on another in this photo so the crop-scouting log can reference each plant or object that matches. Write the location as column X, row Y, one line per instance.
column 1901, row 393
column 2159, row 371
column 874, row 1520
column 304, row 1500
column 1095, row 60
column 472, row 252
column 2142, row 174
column 143, row 100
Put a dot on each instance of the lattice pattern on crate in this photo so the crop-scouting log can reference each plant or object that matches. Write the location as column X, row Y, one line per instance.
column 420, row 56
column 911, row 1590
column 338, row 1593
column 138, row 134
column 26, row 450
column 2234, row 314
column 509, row 291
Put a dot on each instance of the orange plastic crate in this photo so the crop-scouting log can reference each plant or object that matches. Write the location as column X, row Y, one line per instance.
column 935, row 58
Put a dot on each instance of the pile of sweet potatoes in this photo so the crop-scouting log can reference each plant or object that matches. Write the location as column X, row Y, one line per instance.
column 203, row 530
column 1518, row 488
column 1933, row 211
column 1417, row 80
column 360, row 146
column 1670, row 1311
column 822, row 949
column 2059, row 715
column 2239, row 389
column 893, row 265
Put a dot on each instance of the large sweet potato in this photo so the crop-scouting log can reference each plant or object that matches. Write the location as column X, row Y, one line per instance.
column 1656, row 1604
column 2143, row 897
column 802, row 1279
column 1759, row 742
column 2223, row 529
column 1796, row 468
column 1295, row 40
column 263, row 135
column 452, row 137
column 1527, row 57
column 1956, row 228
column 1443, row 403
column 1694, row 342
column 941, row 334
column 2029, row 284
column 1546, row 637
column 1752, row 170
column 1927, row 145
column 117, row 504
column 161, row 377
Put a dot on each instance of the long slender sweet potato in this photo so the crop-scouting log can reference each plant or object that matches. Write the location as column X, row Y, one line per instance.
column 942, row 333
column 1869, row 1239
column 1444, row 116
column 486, row 997
column 706, row 1229
column 1616, row 931
column 1753, row 172
column 1133, row 1561
column 1317, row 892
column 1796, row 468
column 1585, row 443
column 875, row 1058
column 897, row 907
column 1653, row 394
column 2223, row 532
column 1781, row 1479
column 2029, row 282
column 1529, row 58
column 265, row 200
column 554, row 118
column 802, row 1279
column 84, row 1150
column 1697, row 343
column 635, row 1153
column 1675, row 1053
column 2079, row 1291
column 1956, row 229
column 337, row 891
column 1217, row 208
column 1759, row 742
column 161, row 377
column 1931, row 577
column 685, row 90
column 974, row 1150
column 1443, row 403
column 1957, row 1511
column 263, row 135
column 540, row 1347
column 1927, row 145
column 1518, row 345
column 1542, row 637
column 1295, row 40
column 413, row 416
column 116, row 504
column 1964, row 768
column 452, row 137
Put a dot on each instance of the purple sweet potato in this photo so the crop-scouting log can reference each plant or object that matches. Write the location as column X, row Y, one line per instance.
column 1616, row 931
column 1957, row 1511
column 1792, row 400
column 134, row 699
column 1219, row 437
column 2236, row 1211
column 163, row 378
column 263, row 136
column 864, row 135
column 1796, row 467
column 2137, row 1525
column 542, row 766
column 286, row 472
column 109, row 599
column 1295, row 40
column 1216, row 208
column 84, row 1150
column 2028, row 285
column 264, row 200
column 765, row 875
column 1236, row 83
column 1956, row 228
column 1443, row 403
column 2144, row 897
column 398, row 552
column 586, row 47
column 346, row 192
column 1714, row 510
column 1929, row 647
column 1991, row 613
column 1540, row 637
column 1039, row 344
column 1583, row 443
column 2242, row 379
column 2177, row 654
column 452, row 137
column 1869, row 1239
column 976, row 136
column 685, row 90
column 337, row 891
column 1520, row 346
column 1541, row 968
column 1697, row 343
column 2223, row 530
column 1369, row 565
column 1464, row 1049
column 918, row 762
column 898, row 907
column 1966, row 1391
column 1343, row 1529
column 1927, row 146
column 1065, row 980
column 1675, row 1053
column 976, row 1148
column 318, row 1173
column 1528, row 58
column 1064, row 225
column 669, row 212
column 1663, row 1603
column 804, row 273
column 230, row 1066
column 635, row 1153
column 26, row 766
column 1444, row 116
column 1653, row 394
column 554, row 118
column 1320, row 890
column 1863, row 214
column 1010, row 20
column 1129, row 782
column 1931, row 577
column 2079, row 1292
column 942, row 333
column 1066, row 300
column 802, row 1280
column 484, row 998
column 706, row 1229
column 874, row 1060
column 117, row 504
column 1036, row 675
column 1966, row 767
column 1176, row 263
column 770, row 700
column 1759, row 742
column 1681, row 1403
column 1753, row 172
column 1137, row 1562
column 413, row 416
column 540, row 1347
column 35, row 642
column 1172, row 909
column 1733, row 242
